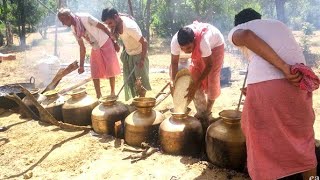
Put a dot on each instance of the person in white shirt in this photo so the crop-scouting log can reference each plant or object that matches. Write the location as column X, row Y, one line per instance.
column 103, row 60
column 134, row 52
column 277, row 117
column 206, row 43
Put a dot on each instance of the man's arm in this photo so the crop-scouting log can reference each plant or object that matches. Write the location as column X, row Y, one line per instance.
column 247, row 38
column 197, row 82
column 82, row 55
column 113, row 38
column 206, row 71
column 174, row 66
column 104, row 28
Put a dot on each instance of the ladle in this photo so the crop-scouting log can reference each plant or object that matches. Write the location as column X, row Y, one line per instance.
column 244, row 83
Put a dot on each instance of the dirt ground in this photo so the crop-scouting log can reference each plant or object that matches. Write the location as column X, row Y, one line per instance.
column 30, row 149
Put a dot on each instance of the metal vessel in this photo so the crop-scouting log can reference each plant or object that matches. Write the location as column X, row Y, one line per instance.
column 181, row 134
column 225, row 142
column 53, row 104
column 143, row 124
column 106, row 114
column 77, row 110
column 39, row 97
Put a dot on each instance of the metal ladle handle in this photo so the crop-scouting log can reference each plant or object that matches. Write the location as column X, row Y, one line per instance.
column 32, row 80
column 244, row 83
column 132, row 71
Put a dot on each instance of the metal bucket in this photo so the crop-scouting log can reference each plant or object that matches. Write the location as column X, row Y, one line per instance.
column 14, row 88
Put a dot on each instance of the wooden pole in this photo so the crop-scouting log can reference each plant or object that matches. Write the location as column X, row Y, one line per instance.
column 130, row 7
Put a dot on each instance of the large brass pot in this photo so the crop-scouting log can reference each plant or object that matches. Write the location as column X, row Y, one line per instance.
column 143, row 124
column 106, row 114
column 77, row 110
column 39, row 97
column 225, row 142
column 181, row 134
column 53, row 104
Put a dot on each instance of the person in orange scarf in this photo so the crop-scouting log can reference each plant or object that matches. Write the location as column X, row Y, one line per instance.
column 277, row 118
column 206, row 43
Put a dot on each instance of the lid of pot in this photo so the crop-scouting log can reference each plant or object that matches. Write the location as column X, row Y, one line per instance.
column 108, row 100
column 230, row 114
column 78, row 91
column 51, row 92
column 182, row 81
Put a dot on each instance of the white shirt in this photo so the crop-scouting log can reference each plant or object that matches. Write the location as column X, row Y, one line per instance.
column 210, row 39
column 95, row 36
column 280, row 38
column 130, row 36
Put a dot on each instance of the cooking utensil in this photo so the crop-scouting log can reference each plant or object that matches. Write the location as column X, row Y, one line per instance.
column 244, row 83
column 14, row 88
column 132, row 71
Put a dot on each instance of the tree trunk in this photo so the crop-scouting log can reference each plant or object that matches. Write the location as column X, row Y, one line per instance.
column 62, row 3
column 148, row 14
column 280, row 10
column 170, row 14
column 22, row 23
column 9, row 34
column 9, row 37
column 130, row 8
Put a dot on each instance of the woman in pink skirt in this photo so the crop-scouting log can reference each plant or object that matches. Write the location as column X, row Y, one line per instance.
column 103, row 61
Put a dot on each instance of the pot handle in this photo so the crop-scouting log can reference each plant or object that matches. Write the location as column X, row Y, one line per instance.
column 32, row 80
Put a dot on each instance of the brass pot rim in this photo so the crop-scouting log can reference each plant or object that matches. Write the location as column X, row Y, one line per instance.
column 144, row 102
column 230, row 114
column 78, row 91
column 180, row 115
column 34, row 91
column 51, row 93
column 108, row 100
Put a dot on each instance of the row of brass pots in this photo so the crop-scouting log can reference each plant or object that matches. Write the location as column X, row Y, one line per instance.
column 179, row 134
column 76, row 110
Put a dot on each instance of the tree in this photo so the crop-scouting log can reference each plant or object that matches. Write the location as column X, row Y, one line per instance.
column 5, row 13
column 281, row 10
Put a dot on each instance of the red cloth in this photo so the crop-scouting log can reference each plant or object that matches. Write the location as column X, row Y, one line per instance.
column 310, row 80
column 198, row 64
column 212, row 82
column 277, row 121
column 79, row 27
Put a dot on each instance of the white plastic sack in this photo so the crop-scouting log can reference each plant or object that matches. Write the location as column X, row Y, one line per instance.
column 46, row 69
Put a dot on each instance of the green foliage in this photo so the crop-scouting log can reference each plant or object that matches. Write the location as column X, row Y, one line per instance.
column 307, row 28
column 167, row 16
